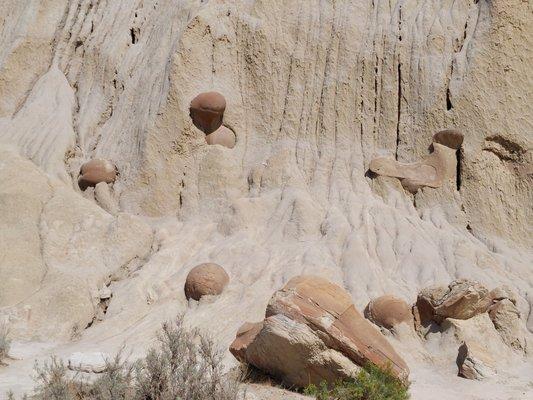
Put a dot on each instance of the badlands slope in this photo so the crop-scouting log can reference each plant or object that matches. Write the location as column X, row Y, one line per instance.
column 314, row 90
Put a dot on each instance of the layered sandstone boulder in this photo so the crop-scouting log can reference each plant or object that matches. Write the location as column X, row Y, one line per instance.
column 96, row 171
column 462, row 299
column 207, row 279
column 207, row 111
column 388, row 311
column 313, row 333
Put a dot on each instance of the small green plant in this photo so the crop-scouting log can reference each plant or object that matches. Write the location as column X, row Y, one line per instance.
column 372, row 383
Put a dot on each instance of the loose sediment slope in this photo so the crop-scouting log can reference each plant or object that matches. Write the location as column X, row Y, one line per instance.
column 314, row 92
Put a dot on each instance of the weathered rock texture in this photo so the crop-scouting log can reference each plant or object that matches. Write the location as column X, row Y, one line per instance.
column 315, row 90
column 313, row 333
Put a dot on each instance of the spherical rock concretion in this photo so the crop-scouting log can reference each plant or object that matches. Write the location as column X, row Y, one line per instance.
column 205, row 279
column 450, row 137
column 96, row 171
column 222, row 136
column 207, row 111
column 388, row 311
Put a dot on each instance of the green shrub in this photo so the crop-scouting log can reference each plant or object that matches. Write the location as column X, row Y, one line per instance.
column 372, row 383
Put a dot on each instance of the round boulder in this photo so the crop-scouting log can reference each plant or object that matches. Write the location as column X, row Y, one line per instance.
column 205, row 279
column 449, row 137
column 388, row 311
column 222, row 136
column 207, row 111
column 95, row 171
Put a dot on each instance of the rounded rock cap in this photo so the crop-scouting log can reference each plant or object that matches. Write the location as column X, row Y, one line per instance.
column 207, row 110
column 95, row 171
column 449, row 137
column 388, row 311
column 205, row 279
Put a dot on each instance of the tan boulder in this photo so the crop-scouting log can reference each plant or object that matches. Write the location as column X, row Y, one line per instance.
column 293, row 353
column 95, row 171
column 222, row 136
column 388, row 311
column 205, row 279
column 474, row 362
column 312, row 332
column 207, row 111
column 506, row 319
column 462, row 299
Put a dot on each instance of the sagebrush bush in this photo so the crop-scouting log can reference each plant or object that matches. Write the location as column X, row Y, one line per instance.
column 5, row 343
column 185, row 366
column 372, row 383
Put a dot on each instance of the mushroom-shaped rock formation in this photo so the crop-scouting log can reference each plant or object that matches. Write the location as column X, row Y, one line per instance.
column 222, row 136
column 432, row 171
column 95, row 171
column 205, row 279
column 462, row 299
column 313, row 333
column 207, row 111
column 388, row 311
column 450, row 138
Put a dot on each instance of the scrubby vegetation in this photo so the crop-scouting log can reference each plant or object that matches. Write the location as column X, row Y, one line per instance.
column 185, row 366
column 372, row 383
column 5, row 343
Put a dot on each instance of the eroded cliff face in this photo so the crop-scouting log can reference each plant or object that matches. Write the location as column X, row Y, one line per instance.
column 315, row 90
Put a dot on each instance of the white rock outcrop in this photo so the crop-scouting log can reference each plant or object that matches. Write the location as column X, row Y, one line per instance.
column 314, row 92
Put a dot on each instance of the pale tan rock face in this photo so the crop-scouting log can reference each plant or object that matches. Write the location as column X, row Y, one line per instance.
column 315, row 91
column 389, row 311
column 207, row 279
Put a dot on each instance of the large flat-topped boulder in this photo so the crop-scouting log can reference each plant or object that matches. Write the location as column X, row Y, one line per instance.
column 315, row 317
